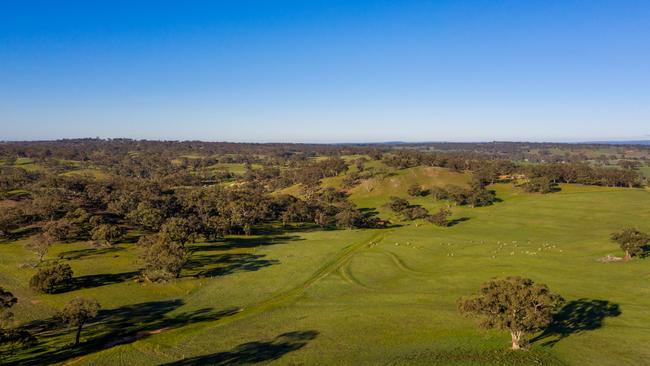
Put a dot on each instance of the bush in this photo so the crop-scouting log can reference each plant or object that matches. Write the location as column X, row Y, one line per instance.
column 440, row 217
column 415, row 190
column 479, row 196
column 398, row 205
column 439, row 193
column 51, row 279
column 415, row 212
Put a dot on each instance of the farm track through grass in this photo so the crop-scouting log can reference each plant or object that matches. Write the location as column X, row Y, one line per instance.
column 367, row 297
column 288, row 296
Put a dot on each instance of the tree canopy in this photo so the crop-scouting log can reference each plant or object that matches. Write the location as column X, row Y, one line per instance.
column 515, row 304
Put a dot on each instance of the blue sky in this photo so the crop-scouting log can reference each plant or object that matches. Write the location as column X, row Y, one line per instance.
column 326, row 71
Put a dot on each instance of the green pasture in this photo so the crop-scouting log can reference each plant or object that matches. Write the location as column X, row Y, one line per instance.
column 362, row 297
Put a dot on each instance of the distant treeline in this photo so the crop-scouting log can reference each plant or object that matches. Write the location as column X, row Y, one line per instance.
column 490, row 171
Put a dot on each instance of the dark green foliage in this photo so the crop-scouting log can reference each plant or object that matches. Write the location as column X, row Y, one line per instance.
column 539, row 185
column 59, row 230
column 515, row 304
column 7, row 300
column 491, row 172
column 107, row 233
column 398, row 204
column 415, row 190
column 349, row 217
column 632, row 241
column 584, row 174
column 439, row 193
column 440, row 218
column 162, row 258
column 147, row 216
column 476, row 196
column 479, row 196
column 10, row 338
column 51, row 279
column 78, row 312
column 181, row 230
column 415, row 212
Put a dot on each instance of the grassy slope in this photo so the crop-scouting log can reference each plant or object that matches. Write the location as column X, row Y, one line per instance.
column 381, row 297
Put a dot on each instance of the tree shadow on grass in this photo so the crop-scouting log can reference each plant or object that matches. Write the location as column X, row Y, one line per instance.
column 81, row 253
column 98, row 280
column 22, row 233
column 457, row 221
column 246, row 242
column 254, row 352
column 289, row 228
column 575, row 317
column 112, row 327
column 221, row 265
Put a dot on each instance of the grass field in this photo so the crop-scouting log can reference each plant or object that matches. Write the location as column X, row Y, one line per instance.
column 364, row 296
column 234, row 168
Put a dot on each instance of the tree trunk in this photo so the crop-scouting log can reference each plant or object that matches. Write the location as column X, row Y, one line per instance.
column 627, row 255
column 516, row 339
column 76, row 341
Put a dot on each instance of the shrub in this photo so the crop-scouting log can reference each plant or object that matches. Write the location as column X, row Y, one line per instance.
column 440, row 217
column 415, row 212
column 397, row 204
column 415, row 190
column 51, row 279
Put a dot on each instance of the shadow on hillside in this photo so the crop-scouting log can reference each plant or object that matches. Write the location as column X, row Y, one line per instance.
column 244, row 242
column 254, row 352
column 575, row 317
column 221, row 265
column 645, row 251
column 457, row 221
column 112, row 327
column 81, row 253
column 98, row 280
column 279, row 229
column 22, row 233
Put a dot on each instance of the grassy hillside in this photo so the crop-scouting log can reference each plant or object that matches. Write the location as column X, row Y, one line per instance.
column 364, row 296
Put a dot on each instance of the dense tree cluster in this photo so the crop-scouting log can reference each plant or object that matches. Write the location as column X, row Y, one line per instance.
column 539, row 185
column 408, row 211
column 475, row 196
column 584, row 174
